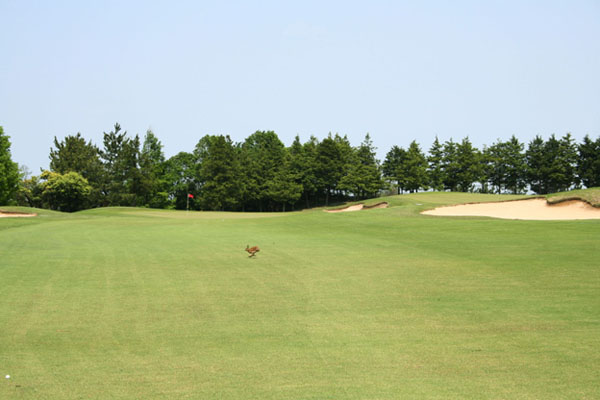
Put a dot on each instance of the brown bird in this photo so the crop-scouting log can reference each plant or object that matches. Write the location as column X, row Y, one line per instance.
column 252, row 250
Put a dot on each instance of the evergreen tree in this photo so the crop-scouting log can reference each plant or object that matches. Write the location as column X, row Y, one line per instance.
column 450, row 166
column 74, row 154
column 330, row 166
column 536, row 169
column 588, row 164
column 552, row 165
column 414, row 168
column 299, row 169
column 120, row 155
column 307, row 161
column 469, row 165
column 495, row 166
column 363, row 178
column 392, row 167
column 506, row 166
column 562, row 161
column 263, row 155
column 435, row 170
column 285, row 188
column 220, row 175
column 152, row 159
column 9, row 171
column 515, row 166
column 348, row 160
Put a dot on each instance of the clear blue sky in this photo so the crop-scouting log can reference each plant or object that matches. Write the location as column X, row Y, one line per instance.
column 398, row 70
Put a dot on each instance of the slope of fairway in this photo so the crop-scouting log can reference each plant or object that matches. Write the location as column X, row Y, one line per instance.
column 378, row 304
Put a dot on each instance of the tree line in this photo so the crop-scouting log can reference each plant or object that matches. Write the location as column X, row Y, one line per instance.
column 262, row 174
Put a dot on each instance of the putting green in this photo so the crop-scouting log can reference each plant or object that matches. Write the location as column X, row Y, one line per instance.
column 379, row 304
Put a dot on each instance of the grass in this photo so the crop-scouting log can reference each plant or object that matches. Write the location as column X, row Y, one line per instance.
column 591, row 196
column 382, row 304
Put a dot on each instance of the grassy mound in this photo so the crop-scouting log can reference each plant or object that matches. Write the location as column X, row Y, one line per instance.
column 591, row 196
column 126, row 303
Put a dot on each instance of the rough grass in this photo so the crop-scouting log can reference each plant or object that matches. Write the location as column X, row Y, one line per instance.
column 377, row 304
column 591, row 196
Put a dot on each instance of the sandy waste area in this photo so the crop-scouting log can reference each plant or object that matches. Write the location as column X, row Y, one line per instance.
column 358, row 207
column 532, row 209
column 9, row 214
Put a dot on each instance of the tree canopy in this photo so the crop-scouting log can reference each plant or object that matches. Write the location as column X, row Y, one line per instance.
column 9, row 171
column 262, row 174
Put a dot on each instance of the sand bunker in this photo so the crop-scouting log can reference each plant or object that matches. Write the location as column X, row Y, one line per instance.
column 11, row 214
column 358, row 207
column 532, row 209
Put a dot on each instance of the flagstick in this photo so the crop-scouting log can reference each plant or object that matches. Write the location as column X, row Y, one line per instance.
column 187, row 207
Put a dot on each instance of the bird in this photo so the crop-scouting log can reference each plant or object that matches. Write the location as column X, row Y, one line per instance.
column 252, row 250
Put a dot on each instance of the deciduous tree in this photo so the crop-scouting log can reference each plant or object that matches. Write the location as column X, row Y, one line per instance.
column 180, row 179
column 65, row 192
column 9, row 171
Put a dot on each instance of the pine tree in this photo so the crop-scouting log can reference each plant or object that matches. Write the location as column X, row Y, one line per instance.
column 262, row 154
column 330, row 166
column 220, row 175
column 74, row 154
column 363, row 178
column 122, row 178
column 588, row 164
column 284, row 187
column 506, row 166
column 515, row 167
column 392, row 167
column 495, row 166
column 152, row 159
column 469, row 165
column 435, row 170
column 414, row 168
column 307, row 160
column 450, row 166
column 536, row 169
column 568, row 163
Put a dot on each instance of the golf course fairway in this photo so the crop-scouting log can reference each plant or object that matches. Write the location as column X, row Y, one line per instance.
column 125, row 303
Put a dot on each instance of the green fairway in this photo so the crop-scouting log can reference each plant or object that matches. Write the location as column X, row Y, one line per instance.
column 126, row 303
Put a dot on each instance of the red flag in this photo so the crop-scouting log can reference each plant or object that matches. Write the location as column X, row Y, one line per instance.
column 191, row 196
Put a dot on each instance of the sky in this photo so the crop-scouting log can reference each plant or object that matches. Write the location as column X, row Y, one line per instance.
column 399, row 70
